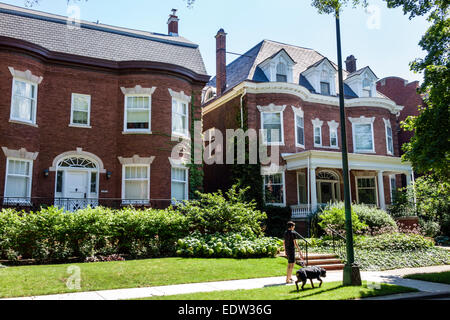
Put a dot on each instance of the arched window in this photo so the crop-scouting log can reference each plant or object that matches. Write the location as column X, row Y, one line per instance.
column 281, row 72
column 327, row 175
column 76, row 162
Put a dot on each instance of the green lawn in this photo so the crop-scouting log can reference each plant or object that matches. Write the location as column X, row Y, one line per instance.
column 329, row 291
column 51, row 279
column 440, row 277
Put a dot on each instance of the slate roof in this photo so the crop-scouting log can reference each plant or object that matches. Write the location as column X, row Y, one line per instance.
column 246, row 66
column 98, row 40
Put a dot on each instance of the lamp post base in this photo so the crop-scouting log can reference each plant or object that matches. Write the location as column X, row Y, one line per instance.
column 352, row 275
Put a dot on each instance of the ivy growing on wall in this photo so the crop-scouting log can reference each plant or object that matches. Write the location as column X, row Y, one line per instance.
column 247, row 175
column 195, row 170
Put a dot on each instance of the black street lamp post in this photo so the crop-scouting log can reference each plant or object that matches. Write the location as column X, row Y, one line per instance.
column 352, row 276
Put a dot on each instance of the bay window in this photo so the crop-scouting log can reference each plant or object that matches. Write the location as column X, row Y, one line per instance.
column 18, row 181
column 137, row 113
column 179, row 184
column 272, row 127
column 136, row 184
column 180, row 120
column 24, row 101
column 389, row 138
column 274, row 189
column 363, row 140
column 366, row 190
column 81, row 109
column 317, row 124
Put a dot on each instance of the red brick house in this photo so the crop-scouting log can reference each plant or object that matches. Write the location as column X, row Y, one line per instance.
column 87, row 111
column 403, row 93
column 294, row 90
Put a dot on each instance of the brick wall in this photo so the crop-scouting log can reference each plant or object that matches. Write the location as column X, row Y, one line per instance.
column 105, row 139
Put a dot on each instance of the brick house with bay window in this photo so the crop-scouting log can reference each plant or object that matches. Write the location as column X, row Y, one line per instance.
column 88, row 111
column 294, row 91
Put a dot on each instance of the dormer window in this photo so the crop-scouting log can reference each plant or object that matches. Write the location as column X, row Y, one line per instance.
column 325, row 88
column 322, row 77
column 278, row 67
column 367, row 88
column 281, row 72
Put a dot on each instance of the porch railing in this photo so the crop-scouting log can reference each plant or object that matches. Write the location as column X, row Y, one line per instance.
column 73, row 204
column 306, row 210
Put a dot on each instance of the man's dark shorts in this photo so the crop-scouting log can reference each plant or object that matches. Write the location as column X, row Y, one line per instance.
column 290, row 255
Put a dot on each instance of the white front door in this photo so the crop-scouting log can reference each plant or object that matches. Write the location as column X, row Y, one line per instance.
column 76, row 187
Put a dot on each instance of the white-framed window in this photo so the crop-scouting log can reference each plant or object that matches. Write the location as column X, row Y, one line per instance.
column 334, row 140
column 325, row 88
column 18, row 181
column 135, row 184
column 366, row 192
column 389, row 137
column 272, row 125
column 393, row 186
column 81, row 110
column 180, row 185
column 317, row 124
column 281, row 72
column 180, row 118
column 302, row 189
column 274, row 189
column 24, row 101
column 363, row 139
column 137, row 113
column 367, row 88
column 300, row 131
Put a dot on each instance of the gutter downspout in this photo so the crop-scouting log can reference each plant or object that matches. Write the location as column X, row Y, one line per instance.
column 242, row 111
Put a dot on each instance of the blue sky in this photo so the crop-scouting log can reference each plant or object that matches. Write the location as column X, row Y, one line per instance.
column 384, row 38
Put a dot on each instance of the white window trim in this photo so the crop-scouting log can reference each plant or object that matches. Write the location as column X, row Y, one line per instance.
column 34, row 111
column 333, row 125
column 298, row 189
column 298, row 112
column 392, row 176
column 26, row 202
column 317, row 124
column 186, row 120
column 387, row 124
column 272, row 109
column 179, row 165
column 137, row 91
column 135, row 201
column 79, row 125
column 362, row 120
column 271, row 173
column 376, row 187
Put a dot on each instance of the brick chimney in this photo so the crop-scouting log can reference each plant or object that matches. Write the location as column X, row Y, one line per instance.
column 173, row 23
column 221, row 62
column 351, row 64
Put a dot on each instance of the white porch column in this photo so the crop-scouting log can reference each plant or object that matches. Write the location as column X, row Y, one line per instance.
column 381, row 190
column 313, row 187
column 408, row 175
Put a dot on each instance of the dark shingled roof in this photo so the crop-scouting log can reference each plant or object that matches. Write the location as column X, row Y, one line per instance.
column 98, row 41
column 246, row 66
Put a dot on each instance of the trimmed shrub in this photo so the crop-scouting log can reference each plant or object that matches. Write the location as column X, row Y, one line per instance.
column 333, row 216
column 377, row 220
column 393, row 242
column 54, row 235
column 233, row 245
column 217, row 213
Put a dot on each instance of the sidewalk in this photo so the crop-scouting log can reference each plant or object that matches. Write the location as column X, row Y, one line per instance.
column 391, row 277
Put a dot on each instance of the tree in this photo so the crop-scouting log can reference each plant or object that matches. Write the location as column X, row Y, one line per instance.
column 429, row 148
